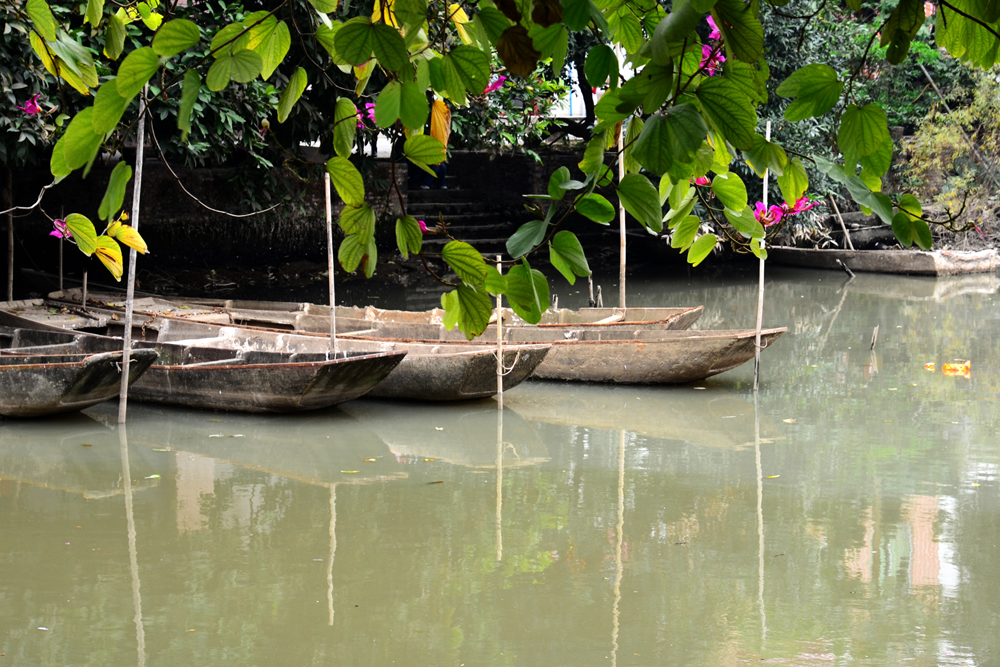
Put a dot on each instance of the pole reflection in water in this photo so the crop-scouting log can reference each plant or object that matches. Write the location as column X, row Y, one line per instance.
column 500, row 447
column 333, row 550
column 760, row 521
column 618, row 547
column 133, row 558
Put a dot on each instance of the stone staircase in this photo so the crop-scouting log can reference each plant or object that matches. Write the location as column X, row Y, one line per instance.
column 466, row 217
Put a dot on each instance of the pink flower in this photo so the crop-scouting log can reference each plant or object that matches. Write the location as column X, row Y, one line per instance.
column 423, row 226
column 768, row 217
column 368, row 111
column 803, row 204
column 711, row 59
column 31, row 107
column 702, row 180
column 930, row 9
column 495, row 85
column 61, row 231
column 715, row 34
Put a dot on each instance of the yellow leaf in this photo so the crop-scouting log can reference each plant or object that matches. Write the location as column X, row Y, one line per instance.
column 383, row 11
column 38, row 45
column 460, row 18
column 110, row 254
column 441, row 121
column 129, row 236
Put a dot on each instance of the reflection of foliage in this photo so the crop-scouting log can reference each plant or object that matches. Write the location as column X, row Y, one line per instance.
column 511, row 118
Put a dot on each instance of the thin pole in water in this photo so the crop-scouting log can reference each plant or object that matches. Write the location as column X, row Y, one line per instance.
column 500, row 369
column 760, row 288
column 140, row 144
column 10, row 235
column 62, row 216
column 329, row 264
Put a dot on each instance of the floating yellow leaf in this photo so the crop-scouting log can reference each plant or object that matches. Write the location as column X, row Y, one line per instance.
column 929, row 366
column 349, row 472
column 772, row 476
column 788, row 421
column 963, row 369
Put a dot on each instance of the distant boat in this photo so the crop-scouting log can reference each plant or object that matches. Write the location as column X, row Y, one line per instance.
column 912, row 262
column 35, row 386
column 196, row 376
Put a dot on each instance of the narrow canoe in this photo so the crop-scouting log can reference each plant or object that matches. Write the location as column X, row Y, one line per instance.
column 35, row 386
column 246, row 380
column 912, row 262
column 436, row 371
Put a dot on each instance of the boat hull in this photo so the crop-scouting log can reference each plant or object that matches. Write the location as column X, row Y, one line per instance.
column 912, row 262
column 36, row 386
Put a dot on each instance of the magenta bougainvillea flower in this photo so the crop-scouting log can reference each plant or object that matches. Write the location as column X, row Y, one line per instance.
column 803, row 204
column 702, row 180
column 496, row 85
column 423, row 226
column 60, row 230
column 31, row 107
column 711, row 59
column 715, row 34
column 768, row 216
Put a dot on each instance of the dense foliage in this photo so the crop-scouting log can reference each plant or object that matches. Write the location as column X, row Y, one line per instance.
column 690, row 113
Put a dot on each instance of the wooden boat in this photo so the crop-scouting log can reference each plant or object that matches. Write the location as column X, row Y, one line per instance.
column 627, row 352
column 245, row 379
column 35, row 386
column 913, row 262
column 431, row 371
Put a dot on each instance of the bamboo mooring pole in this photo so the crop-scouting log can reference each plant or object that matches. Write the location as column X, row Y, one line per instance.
column 10, row 235
column 140, row 143
column 500, row 367
column 62, row 216
column 330, row 267
column 621, row 221
column 847, row 234
column 760, row 288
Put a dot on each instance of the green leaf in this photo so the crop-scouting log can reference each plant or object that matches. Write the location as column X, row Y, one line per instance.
column 175, row 36
column 242, row 67
column 684, row 233
column 741, row 29
column 766, row 155
column 922, row 235
column 83, row 232
column 494, row 22
column 108, row 107
column 672, row 30
column 347, row 179
column 137, row 68
column 596, row 207
column 670, row 137
column 387, row 104
column 527, row 292
column 472, row 66
column 910, row 205
column 189, row 95
column 424, row 149
column 80, row 143
column 465, row 261
column 475, row 311
column 454, row 86
column 355, row 40
column 452, row 309
column 41, row 16
column 794, row 181
column 882, row 206
column 601, row 64
column 902, row 227
column 271, row 44
column 862, row 132
column 326, row 36
column 566, row 255
column 576, row 14
column 641, row 199
column 293, row 91
column 114, row 37
column 410, row 12
column 556, row 180
column 388, row 46
column 352, row 251
column 729, row 110
column 57, row 163
column 325, row 6
column 413, row 106
column 526, row 238
column 878, row 163
column 635, row 125
column 593, row 155
column 230, row 39
column 816, row 88
column 95, row 11
column 701, row 249
column 358, row 221
column 345, row 127
column 409, row 238
column 495, row 282
column 114, row 196
column 745, row 223
column 751, row 81
column 731, row 191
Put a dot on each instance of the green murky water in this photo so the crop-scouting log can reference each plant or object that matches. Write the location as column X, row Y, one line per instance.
column 853, row 518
